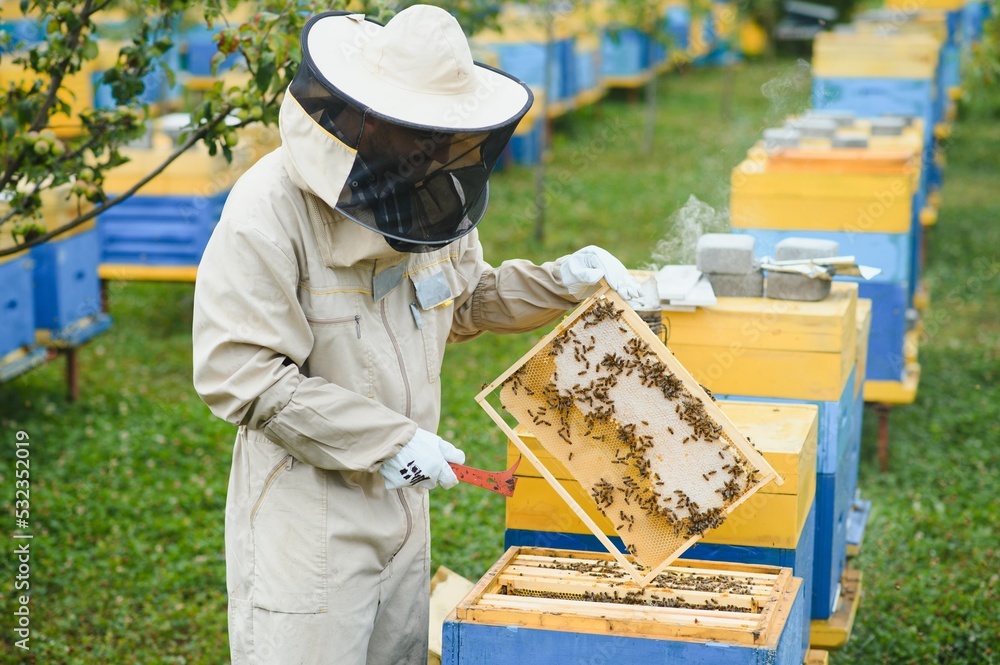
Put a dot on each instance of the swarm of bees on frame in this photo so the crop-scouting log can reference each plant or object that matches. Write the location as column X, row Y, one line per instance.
column 661, row 593
column 582, row 408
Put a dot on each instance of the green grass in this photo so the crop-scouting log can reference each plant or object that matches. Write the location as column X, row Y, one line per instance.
column 129, row 483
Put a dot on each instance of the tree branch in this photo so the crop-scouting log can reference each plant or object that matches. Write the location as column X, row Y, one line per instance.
column 72, row 41
column 41, row 118
column 97, row 210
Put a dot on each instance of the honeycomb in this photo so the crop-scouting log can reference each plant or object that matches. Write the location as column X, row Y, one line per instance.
column 658, row 458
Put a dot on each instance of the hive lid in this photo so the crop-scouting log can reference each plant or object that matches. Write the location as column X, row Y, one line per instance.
column 841, row 117
column 889, row 159
column 781, row 137
column 849, row 140
column 814, row 126
column 656, row 455
column 888, row 126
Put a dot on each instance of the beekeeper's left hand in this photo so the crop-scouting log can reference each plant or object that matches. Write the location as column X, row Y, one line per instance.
column 422, row 462
column 582, row 270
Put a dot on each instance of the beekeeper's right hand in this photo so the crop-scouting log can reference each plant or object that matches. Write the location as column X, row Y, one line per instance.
column 583, row 269
column 422, row 462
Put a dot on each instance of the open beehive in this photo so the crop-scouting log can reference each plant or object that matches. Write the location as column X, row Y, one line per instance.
column 606, row 398
column 558, row 606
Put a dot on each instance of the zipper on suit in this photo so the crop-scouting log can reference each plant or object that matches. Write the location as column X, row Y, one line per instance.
column 340, row 319
column 399, row 356
column 284, row 464
column 406, row 386
column 409, row 521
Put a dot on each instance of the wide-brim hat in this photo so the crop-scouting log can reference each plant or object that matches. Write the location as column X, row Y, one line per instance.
column 417, row 69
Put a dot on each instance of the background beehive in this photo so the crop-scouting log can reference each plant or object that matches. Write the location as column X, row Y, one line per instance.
column 657, row 457
column 784, row 433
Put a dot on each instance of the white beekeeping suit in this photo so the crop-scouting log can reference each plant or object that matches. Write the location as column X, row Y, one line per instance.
column 343, row 264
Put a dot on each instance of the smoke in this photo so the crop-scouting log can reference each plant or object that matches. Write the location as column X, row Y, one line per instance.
column 685, row 226
column 789, row 94
column 789, row 91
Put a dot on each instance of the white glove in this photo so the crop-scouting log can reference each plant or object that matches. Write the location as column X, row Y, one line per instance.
column 583, row 269
column 422, row 462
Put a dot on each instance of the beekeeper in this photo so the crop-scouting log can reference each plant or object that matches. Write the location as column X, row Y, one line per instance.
column 343, row 263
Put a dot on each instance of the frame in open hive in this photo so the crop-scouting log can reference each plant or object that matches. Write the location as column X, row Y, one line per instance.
column 604, row 396
column 588, row 592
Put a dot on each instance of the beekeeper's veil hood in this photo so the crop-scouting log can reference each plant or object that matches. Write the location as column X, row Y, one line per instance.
column 417, row 125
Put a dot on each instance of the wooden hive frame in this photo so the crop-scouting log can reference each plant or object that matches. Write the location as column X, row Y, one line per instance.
column 654, row 525
column 754, row 601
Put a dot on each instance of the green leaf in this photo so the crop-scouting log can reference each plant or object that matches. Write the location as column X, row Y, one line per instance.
column 265, row 71
column 8, row 126
column 216, row 62
column 89, row 50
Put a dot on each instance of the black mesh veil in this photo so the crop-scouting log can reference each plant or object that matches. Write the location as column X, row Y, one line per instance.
column 420, row 187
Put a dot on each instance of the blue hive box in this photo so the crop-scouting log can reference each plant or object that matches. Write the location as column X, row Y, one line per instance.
column 834, row 495
column 625, row 52
column 835, row 421
column 526, row 61
column 157, row 87
column 17, row 304
column 526, row 147
column 678, row 19
column 23, row 33
column 159, row 230
column 67, row 288
column 528, row 609
column 886, row 357
column 872, row 97
column 587, row 69
column 200, row 46
column 890, row 252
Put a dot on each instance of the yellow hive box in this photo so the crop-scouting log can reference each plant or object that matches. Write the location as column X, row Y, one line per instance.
column 724, row 18
column 195, row 172
column 524, row 23
column 752, row 37
column 643, row 16
column 78, row 91
column 895, row 392
column 845, row 161
column 864, row 320
column 770, row 348
column 837, row 186
column 58, row 209
column 817, row 657
column 912, row 137
column 875, row 55
column 784, row 433
column 933, row 22
column 908, row 5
